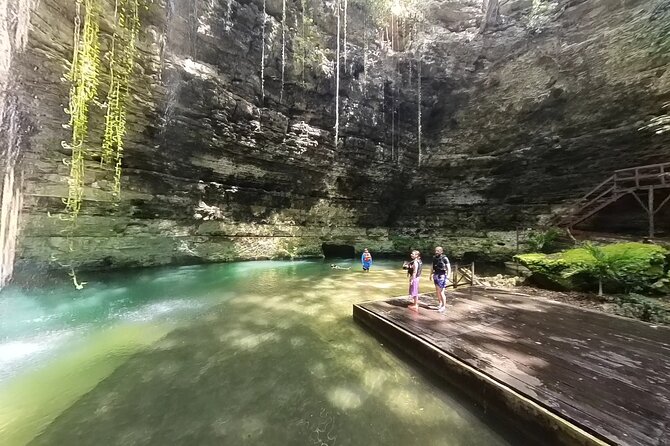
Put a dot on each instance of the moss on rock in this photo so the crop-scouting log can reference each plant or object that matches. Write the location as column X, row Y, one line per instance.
column 636, row 267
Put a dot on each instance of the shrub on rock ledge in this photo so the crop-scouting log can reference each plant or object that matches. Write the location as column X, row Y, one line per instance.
column 631, row 267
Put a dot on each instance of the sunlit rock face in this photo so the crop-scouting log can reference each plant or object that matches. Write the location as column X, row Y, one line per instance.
column 223, row 164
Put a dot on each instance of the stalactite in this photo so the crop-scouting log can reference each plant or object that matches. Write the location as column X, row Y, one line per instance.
column 11, row 199
column 337, row 79
column 14, row 28
column 265, row 17
column 283, row 49
column 418, row 105
column 345, row 35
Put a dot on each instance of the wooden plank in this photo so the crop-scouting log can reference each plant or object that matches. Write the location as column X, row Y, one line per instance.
column 607, row 374
column 544, row 427
column 525, row 377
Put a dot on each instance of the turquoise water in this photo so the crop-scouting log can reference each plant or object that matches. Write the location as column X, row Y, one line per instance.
column 259, row 353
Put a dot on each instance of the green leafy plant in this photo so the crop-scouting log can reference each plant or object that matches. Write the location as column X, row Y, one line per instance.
column 618, row 267
column 603, row 266
column 542, row 241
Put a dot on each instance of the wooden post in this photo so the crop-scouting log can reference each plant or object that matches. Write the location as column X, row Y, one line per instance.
column 517, row 245
column 472, row 273
column 650, row 211
column 455, row 280
column 662, row 174
column 637, row 178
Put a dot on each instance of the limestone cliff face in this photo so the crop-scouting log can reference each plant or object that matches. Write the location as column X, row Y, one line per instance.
column 539, row 110
column 215, row 168
column 223, row 164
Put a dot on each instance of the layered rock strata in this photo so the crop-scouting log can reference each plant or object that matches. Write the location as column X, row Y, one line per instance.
column 221, row 164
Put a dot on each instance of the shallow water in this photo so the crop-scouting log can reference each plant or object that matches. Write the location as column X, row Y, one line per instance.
column 259, row 353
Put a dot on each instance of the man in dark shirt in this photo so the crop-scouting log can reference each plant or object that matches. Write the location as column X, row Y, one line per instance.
column 440, row 276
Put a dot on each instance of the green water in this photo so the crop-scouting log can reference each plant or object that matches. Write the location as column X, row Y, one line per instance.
column 258, row 353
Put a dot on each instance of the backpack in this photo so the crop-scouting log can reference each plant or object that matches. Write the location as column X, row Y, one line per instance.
column 442, row 264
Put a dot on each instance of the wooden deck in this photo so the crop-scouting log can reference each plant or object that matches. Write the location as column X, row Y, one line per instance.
column 577, row 376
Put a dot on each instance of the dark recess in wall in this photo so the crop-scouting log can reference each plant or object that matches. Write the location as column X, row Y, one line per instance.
column 339, row 251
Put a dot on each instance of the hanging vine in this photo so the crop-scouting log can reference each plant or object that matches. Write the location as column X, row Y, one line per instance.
column 337, row 79
column 283, row 49
column 121, row 62
column 418, row 109
column 83, row 78
column 265, row 19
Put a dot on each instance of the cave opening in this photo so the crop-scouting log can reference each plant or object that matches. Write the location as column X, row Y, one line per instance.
column 337, row 251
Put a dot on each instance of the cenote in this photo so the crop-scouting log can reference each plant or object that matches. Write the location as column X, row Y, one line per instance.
column 178, row 176
column 239, row 353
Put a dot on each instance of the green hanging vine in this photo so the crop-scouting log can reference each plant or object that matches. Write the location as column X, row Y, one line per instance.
column 121, row 63
column 83, row 78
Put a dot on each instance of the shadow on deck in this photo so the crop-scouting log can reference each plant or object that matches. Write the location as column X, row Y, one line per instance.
column 573, row 376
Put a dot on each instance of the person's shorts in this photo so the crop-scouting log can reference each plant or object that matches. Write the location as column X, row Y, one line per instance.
column 440, row 280
column 414, row 287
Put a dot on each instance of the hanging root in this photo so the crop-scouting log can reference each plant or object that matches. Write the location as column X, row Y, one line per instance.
column 77, row 285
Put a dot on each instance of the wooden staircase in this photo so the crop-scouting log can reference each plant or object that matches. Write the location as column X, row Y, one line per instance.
column 623, row 182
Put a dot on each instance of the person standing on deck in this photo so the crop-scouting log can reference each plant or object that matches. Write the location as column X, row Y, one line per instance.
column 414, row 272
column 440, row 276
column 366, row 260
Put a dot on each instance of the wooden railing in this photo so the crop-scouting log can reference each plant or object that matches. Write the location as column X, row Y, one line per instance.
column 462, row 275
column 624, row 181
column 642, row 176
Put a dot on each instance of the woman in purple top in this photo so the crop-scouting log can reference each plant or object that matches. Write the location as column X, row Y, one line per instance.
column 414, row 272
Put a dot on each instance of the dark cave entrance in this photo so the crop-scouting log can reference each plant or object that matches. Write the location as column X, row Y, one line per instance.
column 338, row 251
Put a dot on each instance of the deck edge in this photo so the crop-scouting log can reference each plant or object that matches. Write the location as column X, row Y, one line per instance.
column 485, row 390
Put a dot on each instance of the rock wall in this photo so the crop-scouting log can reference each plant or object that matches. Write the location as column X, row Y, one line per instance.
column 221, row 164
column 14, row 25
column 213, row 169
column 534, row 113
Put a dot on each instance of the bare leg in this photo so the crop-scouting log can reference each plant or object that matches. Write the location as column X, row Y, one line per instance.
column 440, row 295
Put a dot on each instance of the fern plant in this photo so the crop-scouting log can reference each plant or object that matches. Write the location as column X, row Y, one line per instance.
column 603, row 266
